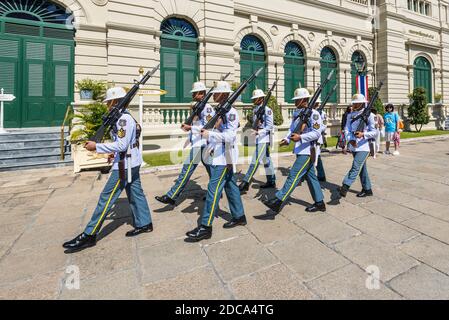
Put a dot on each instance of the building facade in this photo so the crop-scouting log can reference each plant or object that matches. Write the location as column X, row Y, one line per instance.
column 46, row 45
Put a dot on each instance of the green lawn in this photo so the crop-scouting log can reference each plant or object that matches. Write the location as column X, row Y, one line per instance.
column 163, row 158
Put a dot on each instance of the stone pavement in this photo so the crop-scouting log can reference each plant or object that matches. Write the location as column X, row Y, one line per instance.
column 402, row 232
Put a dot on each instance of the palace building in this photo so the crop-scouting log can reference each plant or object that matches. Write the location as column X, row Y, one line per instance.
column 46, row 45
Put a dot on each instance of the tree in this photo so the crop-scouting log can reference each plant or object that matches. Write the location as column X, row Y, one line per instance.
column 378, row 105
column 417, row 111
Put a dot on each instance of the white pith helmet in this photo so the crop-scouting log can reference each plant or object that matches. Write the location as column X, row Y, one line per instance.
column 301, row 93
column 258, row 94
column 114, row 93
column 222, row 87
column 358, row 98
column 198, row 87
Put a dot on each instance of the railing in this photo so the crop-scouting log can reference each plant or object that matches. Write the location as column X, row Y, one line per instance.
column 68, row 112
column 364, row 2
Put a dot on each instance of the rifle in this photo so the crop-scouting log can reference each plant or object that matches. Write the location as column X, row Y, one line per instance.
column 117, row 111
column 261, row 111
column 364, row 117
column 226, row 106
column 321, row 109
column 325, row 101
column 199, row 106
column 307, row 113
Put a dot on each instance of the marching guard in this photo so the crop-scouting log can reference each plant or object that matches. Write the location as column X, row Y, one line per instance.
column 359, row 145
column 321, row 174
column 304, row 165
column 224, row 149
column 263, row 143
column 198, row 147
column 125, row 147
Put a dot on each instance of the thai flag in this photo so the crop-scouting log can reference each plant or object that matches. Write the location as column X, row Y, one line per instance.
column 362, row 85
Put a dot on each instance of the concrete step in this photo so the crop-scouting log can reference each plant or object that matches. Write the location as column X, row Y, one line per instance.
column 30, row 143
column 35, row 165
column 30, row 136
column 35, row 151
column 7, row 160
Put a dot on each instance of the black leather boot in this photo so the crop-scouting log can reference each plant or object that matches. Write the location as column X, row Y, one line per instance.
column 365, row 193
column 274, row 204
column 235, row 222
column 165, row 199
column 268, row 185
column 200, row 233
column 343, row 190
column 137, row 231
column 81, row 242
column 318, row 206
column 244, row 187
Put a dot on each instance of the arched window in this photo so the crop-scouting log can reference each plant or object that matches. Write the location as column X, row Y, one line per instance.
column 36, row 61
column 422, row 75
column 328, row 63
column 357, row 60
column 179, row 59
column 294, row 69
column 252, row 57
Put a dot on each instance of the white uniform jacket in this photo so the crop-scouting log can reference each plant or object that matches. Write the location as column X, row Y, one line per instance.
column 311, row 134
column 370, row 131
column 123, row 135
column 223, row 142
column 266, row 128
column 195, row 134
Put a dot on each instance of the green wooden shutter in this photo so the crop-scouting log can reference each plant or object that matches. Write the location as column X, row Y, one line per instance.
column 328, row 63
column 189, row 63
column 169, row 74
column 422, row 74
column 245, row 73
column 288, row 83
column 9, row 77
column 35, row 83
column 61, row 86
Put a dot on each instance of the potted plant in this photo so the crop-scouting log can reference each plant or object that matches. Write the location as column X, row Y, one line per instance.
column 87, row 120
column 438, row 98
column 91, row 89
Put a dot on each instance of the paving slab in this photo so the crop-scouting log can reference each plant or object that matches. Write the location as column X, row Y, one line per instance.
column 428, row 250
column 170, row 259
column 308, row 257
column 367, row 251
column 240, row 256
column 384, row 229
column 350, row 283
column 276, row 282
column 422, row 282
column 203, row 281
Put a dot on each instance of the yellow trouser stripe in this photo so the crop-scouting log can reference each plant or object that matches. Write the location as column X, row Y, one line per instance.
column 296, row 178
column 361, row 166
column 185, row 176
column 106, row 207
column 215, row 196
column 257, row 162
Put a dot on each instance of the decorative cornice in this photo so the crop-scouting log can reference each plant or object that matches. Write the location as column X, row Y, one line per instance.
column 92, row 27
column 131, row 43
column 90, row 42
column 310, row 23
column 423, row 45
column 132, row 28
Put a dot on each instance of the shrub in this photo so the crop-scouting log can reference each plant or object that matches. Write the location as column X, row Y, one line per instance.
column 378, row 105
column 417, row 111
column 90, row 118
column 98, row 87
